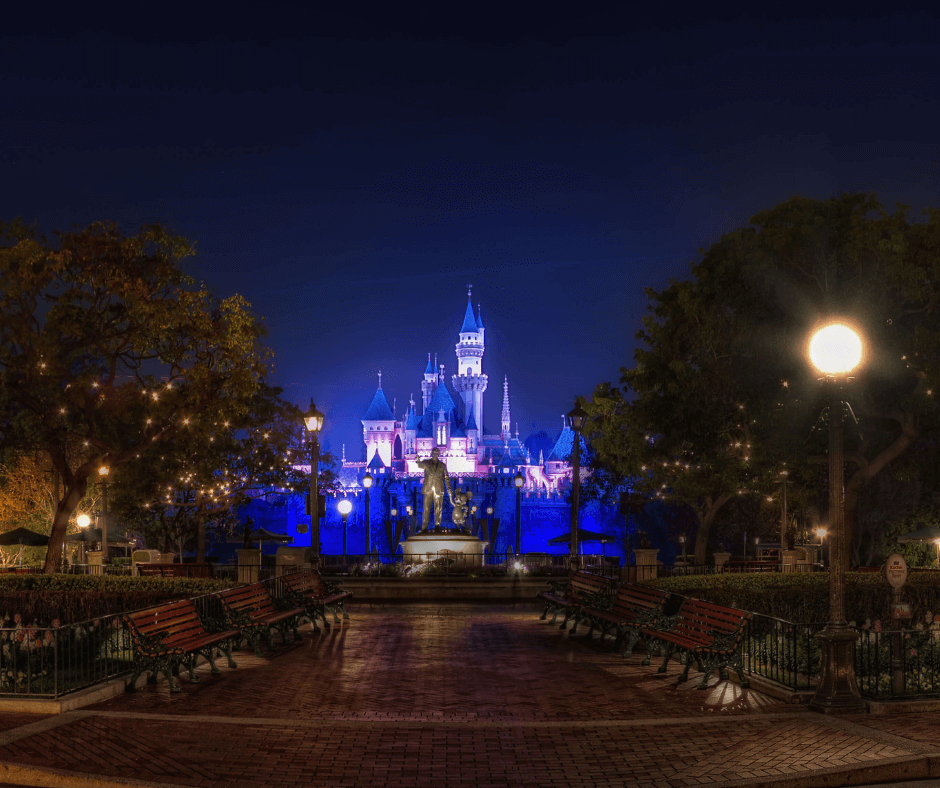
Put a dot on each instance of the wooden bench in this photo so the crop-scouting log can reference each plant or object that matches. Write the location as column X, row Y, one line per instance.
column 176, row 570
column 634, row 608
column 707, row 633
column 580, row 590
column 172, row 635
column 310, row 591
column 252, row 611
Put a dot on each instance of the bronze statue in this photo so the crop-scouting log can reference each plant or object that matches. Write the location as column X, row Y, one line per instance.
column 436, row 481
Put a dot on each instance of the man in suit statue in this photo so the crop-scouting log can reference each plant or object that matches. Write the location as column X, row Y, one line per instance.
column 436, row 481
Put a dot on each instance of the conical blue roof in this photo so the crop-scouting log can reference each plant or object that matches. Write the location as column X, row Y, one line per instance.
column 564, row 446
column 413, row 419
column 376, row 462
column 429, row 369
column 440, row 401
column 479, row 317
column 469, row 321
column 379, row 409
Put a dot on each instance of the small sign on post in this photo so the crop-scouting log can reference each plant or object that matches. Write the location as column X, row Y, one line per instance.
column 896, row 570
column 896, row 575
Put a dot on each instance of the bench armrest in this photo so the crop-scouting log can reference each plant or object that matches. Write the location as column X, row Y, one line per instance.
column 725, row 641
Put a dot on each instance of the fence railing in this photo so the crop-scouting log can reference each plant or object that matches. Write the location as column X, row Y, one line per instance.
column 781, row 651
column 898, row 664
column 47, row 662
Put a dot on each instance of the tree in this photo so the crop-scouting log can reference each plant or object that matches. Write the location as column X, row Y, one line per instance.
column 721, row 394
column 107, row 350
column 206, row 471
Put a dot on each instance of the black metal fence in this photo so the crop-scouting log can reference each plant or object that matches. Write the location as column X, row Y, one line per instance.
column 47, row 662
column 781, row 651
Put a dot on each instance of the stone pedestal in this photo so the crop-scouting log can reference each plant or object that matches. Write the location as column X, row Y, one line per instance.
column 249, row 562
column 167, row 558
column 646, row 567
column 95, row 565
column 837, row 691
column 463, row 549
column 721, row 558
column 790, row 560
column 291, row 559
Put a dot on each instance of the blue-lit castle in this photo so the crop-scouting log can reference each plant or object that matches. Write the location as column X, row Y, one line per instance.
column 451, row 420
column 450, row 417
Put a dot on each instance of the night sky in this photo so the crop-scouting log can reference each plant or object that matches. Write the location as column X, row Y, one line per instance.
column 351, row 176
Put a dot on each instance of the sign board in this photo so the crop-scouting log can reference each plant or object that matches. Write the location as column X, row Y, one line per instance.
column 900, row 610
column 302, row 528
column 896, row 570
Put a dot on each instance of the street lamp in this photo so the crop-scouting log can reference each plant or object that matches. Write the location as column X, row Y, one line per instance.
column 836, row 350
column 518, row 480
column 103, row 472
column 821, row 533
column 344, row 507
column 410, row 512
column 366, row 484
column 313, row 420
column 576, row 418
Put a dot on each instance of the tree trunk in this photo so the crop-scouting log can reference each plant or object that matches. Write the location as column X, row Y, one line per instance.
column 69, row 503
column 200, row 535
column 706, row 517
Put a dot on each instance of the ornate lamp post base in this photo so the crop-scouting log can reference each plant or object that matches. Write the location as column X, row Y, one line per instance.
column 837, row 692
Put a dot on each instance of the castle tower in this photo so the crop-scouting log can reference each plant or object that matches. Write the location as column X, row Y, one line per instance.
column 506, row 429
column 429, row 383
column 378, row 427
column 470, row 382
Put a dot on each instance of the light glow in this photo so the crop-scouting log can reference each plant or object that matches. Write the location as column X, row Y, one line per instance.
column 835, row 349
column 344, row 507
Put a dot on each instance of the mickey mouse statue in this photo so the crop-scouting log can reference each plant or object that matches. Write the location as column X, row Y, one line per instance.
column 461, row 506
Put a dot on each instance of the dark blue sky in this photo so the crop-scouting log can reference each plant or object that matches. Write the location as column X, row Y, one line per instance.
column 351, row 176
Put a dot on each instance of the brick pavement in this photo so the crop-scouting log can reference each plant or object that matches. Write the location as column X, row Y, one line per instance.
column 458, row 696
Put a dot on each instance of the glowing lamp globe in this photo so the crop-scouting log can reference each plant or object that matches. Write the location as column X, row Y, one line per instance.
column 835, row 349
column 83, row 520
column 344, row 507
column 822, row 533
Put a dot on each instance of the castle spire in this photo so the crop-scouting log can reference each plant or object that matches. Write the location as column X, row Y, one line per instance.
column 380, row 380
column 506, row 431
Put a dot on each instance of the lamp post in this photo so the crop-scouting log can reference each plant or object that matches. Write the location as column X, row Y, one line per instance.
column 103, row 472
column 835, row 351
column 313, row 420
column 344, row 507
column 473, row 516
column 518, row 480
column 367, row 484
column 784, row 480
column 822, row 533
column 410, row 512
column 576, row 419
column 83, row 521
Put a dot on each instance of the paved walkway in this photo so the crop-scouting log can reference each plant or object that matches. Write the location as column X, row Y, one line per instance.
column 456, row 696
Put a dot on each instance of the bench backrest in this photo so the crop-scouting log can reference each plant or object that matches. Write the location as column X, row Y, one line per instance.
column 175, row 570
column 632, row 598
column 305, row 583
column 584, row 584
column 701, row 621
column 254, row 596
column 178, row 621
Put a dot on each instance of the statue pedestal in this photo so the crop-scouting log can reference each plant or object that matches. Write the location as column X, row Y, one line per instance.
column 721, row 558
column 463, row 549
column 248, row 565
column 646, row 564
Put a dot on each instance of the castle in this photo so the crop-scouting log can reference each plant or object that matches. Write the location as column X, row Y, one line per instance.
column 451, row 419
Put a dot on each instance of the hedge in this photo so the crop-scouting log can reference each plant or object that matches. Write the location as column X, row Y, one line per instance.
column 40, row 599
column 803, row 597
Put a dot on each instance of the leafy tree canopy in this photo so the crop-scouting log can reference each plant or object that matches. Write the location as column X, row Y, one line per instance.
column 107, row 349
column 721, row 398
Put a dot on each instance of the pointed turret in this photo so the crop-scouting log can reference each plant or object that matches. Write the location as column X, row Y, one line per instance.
column 506, row 429
column 429, row 383
column 470, row 382
column 378, row 426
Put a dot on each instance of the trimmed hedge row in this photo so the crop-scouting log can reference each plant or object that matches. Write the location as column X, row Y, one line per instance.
column 803, row 597
column 41, row 599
